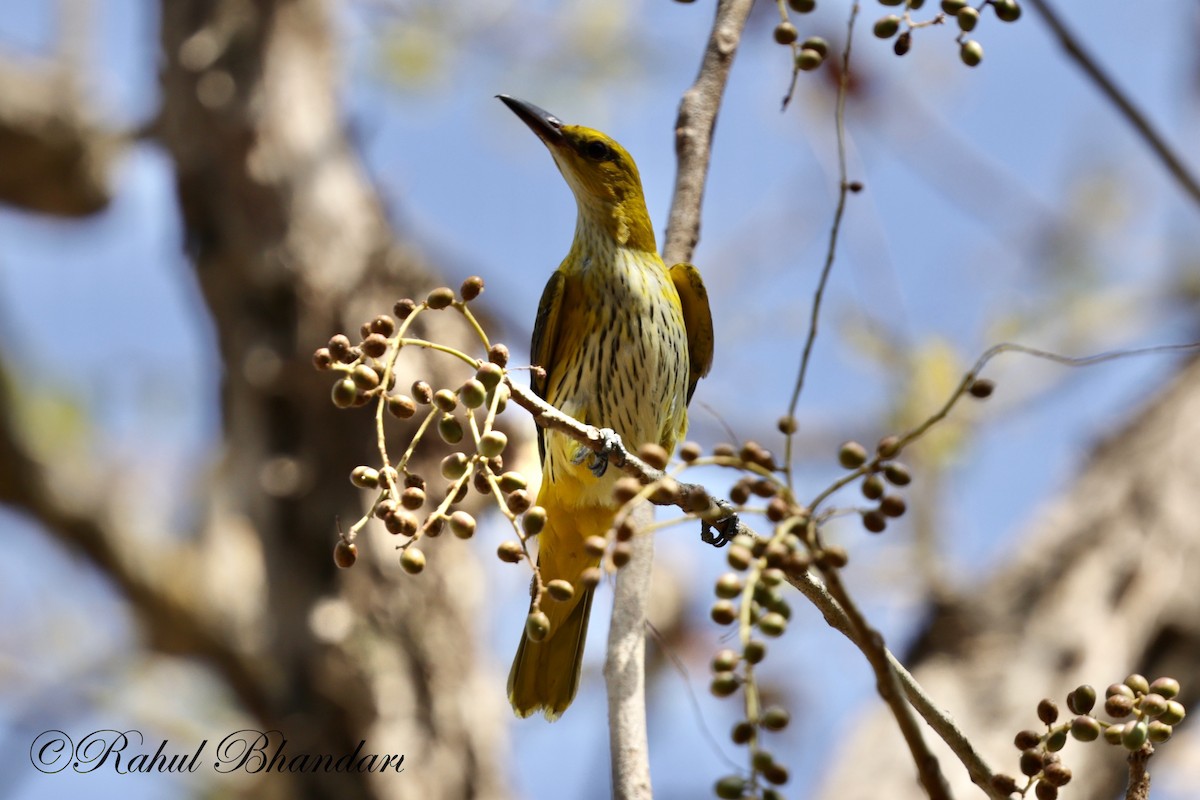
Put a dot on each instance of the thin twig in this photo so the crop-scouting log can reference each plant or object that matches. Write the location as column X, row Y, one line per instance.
column 834, row 231
column 694, row 129
column 1174, row 164
column 1139, row 775
column 937, row 719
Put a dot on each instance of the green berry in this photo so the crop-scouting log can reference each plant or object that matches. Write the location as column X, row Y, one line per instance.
column 887, row 27
column 786, row 33
column 412, row 560
column 971, row 53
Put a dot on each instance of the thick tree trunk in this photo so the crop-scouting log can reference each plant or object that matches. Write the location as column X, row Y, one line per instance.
column 289, row 245
column 1103, row 585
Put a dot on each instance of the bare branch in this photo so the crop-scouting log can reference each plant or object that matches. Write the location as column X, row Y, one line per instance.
column 1174, row 164
column 694, row 129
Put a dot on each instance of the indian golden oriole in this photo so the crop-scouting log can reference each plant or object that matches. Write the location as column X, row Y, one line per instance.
column 622, row 340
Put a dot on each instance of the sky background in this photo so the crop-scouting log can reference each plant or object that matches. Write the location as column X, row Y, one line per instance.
column 1009, row 201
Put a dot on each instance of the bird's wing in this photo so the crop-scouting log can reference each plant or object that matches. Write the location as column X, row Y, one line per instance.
column 545, row 339
column 697, row 318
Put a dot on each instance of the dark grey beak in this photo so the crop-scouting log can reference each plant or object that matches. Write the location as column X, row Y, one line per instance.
column 547, row 126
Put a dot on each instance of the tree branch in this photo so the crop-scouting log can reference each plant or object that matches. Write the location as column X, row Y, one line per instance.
column 1174, row 164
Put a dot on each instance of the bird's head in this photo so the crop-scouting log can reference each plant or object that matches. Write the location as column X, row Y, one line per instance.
column 601, row 174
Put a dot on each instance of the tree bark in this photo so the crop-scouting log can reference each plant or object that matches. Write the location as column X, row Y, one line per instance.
column 289, row 245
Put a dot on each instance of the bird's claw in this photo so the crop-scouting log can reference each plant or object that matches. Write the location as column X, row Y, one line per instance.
column 721, row 532
column 610, row 442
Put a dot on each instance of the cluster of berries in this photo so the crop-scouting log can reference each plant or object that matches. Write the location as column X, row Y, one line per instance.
column 1145, row 712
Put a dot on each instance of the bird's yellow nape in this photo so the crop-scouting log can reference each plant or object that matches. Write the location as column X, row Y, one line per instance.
column 601, row 173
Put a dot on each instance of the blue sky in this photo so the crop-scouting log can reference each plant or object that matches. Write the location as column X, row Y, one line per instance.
column 963, row 168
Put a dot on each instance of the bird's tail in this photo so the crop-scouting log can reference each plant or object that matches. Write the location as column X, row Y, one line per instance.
column 545, row 675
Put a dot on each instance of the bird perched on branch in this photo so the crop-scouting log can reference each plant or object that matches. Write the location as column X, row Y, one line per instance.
column 623, row 341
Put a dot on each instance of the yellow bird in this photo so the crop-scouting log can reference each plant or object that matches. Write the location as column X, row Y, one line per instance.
column 623, row 341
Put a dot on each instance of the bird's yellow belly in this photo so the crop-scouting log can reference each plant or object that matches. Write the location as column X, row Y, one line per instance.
column 624, row 367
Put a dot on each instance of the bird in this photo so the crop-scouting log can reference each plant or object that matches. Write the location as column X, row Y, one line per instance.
column 621, row 341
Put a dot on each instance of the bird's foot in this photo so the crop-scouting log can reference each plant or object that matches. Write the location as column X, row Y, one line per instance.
column 722, row 531
column 610, row 442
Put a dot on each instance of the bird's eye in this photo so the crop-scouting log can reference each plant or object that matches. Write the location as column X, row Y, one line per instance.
column 597, row 150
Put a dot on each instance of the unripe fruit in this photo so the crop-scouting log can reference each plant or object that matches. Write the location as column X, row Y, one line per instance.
column 440, row 297
column 981, row 388
column 1167, row 687
column 595, row 545
column 1138, row 683
column 1031, row 762
column 1154, row 705
column 454, row 466
column 622, row 553
column 472, row 393
column 755, row 651
column 1135, row 735
column 786, row 33
column 968, row 18
column 498, row 355
column 471, row 288
column 852, row 455
column 560, row 590
column 1027, row 740
column 872, row 487
column 1174, row 714
column 412, row 560
column 422, row 392
column 886, row 27
column 971, row 53
column 1007, row 10
column 492, row 444
column 1118, row 706
column 874, row 521
column 775, row 719
column 723, row 612
column 537, row 625
column 365, row 478
column 511, row 481
column 375, row 345
column 344, row 393
column 1082, row 700
column 654, row 455
column 729, row 586
column 724, row 661
column 533, row 521
column 510, row 552
column 738, row 557
column 731, row 787
column 772, row 624
column 518, row 502
column 724, row 684
column 1047, row 711
column 345, row 554
column 1159, row 731
column 462, row 525
column 897, row 475
column 802, row 6
column 821, row 47
column 1085, row 729
column 401, row 406
column 450, row 429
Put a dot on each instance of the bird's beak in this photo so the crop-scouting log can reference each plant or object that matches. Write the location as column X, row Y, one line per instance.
column 547, row 126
